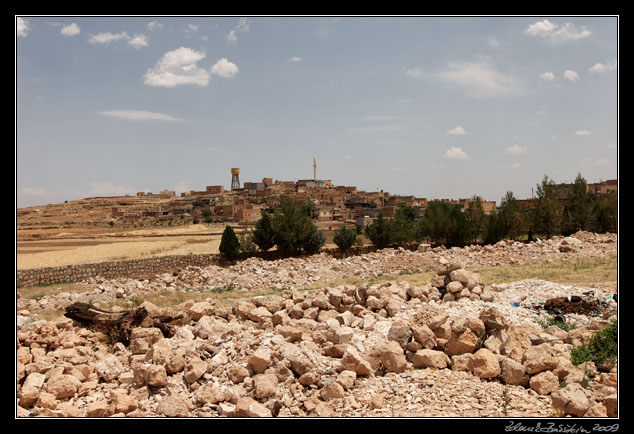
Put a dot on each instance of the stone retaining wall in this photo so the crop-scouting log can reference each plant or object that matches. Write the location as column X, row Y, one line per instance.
column 110, row 269
column 137, row 268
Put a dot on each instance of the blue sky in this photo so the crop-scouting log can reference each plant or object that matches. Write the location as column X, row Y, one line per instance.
column 436, row 107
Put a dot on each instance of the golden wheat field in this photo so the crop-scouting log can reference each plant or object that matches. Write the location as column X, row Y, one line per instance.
column 66, row 248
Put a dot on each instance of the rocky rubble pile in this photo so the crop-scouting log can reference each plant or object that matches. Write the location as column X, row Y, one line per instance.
column 387, row 349
column 297, row 273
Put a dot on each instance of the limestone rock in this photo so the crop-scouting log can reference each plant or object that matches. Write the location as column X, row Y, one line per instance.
column 486, row 364
column 544, row 383
column 429, row 359
column 571, row 400
column 172, row 406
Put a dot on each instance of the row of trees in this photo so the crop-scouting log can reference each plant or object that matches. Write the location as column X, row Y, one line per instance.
column 546, row 216
column 293, row 232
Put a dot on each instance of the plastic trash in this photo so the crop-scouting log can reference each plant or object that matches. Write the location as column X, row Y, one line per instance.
column 516, row 304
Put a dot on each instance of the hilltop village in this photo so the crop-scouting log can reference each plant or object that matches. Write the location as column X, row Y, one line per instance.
column 327, row 202
column 242, row 204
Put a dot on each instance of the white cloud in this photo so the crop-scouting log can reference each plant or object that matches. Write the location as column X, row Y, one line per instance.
column 571, row 75
column 140, row 115
column 243, row 25
column 454, row 153
column 557, row 33
column 231, row 37
column 548, row 76
column 603, row 67
column 178, row 67
column 417, row 72
column 458, row 131
column 582, row 133
column 397, row 169
column 515, row 150
column 154, row 25
column 294, row 59
column 138, row 41
column 107, row 37
column 191, row 28
column 479, row 79
column 224, row 68
column 375, row 129
column 70, row 30
column 22, row 26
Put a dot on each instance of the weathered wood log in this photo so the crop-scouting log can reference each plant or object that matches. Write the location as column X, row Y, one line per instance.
column 118, row 325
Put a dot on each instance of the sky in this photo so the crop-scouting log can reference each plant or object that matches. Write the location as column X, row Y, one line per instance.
column 435, row 107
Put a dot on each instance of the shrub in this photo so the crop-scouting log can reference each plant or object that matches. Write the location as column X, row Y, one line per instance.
column 602, row 349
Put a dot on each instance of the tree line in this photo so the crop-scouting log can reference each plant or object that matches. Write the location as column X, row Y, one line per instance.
column 545, row 216
column 291, row 230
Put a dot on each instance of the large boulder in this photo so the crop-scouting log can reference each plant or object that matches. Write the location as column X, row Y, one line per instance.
column 486, row 364
column 544, row 383
column 571, row 400
column 353, row 361
column 429, row 359
column 460, row 343
column 109, row 368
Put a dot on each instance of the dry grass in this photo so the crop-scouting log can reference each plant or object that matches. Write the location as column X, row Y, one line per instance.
column 589, row 271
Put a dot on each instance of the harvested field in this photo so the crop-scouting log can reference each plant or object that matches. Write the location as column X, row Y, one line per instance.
column 66, row 248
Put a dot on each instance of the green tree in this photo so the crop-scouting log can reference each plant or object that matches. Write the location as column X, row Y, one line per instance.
column 345, row 238
column 403, row 226
column 314, row 241
column 476, row 219
column 578, row 215
column 247, row 244
column 229, row 244
column 263, row 235
column 512, row 219
column 546, row 216
column 605, row 214
column 459, row 232
column 435, row 225
column 379, row 232
column 496, row 230
column 294, row 231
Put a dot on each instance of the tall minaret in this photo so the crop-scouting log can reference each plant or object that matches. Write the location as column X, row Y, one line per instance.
column 314, row 167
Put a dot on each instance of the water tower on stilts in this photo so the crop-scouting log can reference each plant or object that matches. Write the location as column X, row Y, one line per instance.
column 235, row 178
